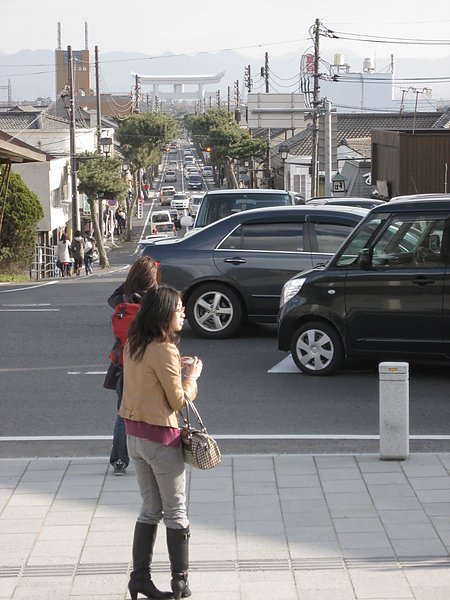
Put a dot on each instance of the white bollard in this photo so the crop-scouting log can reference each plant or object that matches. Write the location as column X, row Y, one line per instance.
column 394, row 410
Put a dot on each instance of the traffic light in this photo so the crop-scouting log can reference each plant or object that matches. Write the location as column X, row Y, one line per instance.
column 207, row 149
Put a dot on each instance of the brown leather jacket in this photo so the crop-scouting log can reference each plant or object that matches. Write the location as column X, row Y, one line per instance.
column 153, row 391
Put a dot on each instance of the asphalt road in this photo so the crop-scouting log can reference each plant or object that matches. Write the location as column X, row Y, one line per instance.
column 55, row 343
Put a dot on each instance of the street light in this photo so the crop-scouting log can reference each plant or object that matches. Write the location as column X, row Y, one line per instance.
column 105, row 145
column 283, row 151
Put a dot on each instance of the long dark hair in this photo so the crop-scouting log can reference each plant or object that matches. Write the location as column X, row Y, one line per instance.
column 143, row 275
column 152, row 322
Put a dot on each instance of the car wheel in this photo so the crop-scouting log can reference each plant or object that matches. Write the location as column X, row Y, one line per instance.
column 214, row 311
column 317, row 348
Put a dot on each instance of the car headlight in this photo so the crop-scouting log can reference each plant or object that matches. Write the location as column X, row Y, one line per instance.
column 290, row 288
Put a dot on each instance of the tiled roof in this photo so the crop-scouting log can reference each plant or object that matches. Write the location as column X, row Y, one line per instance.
column 360, row 126
column 18, row 120
column 361, row 145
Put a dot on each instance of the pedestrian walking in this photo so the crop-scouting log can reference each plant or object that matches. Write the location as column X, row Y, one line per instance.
column 63, row 258
column 153, row 393
column 77, row 248
column 143, row 275
column 88, row 252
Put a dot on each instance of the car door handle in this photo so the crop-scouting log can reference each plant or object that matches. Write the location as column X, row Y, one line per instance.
column 235, row 260
column 422, row 280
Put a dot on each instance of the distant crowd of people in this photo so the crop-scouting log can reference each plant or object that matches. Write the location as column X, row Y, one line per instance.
column 73, row 255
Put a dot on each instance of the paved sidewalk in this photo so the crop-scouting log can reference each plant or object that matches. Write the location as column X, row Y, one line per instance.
column 279, row 527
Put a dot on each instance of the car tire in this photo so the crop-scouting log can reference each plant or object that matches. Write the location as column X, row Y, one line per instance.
column 214, row 311
column 317, row 348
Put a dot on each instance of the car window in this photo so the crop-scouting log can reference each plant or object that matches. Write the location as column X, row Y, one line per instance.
column 216, row 206
column 271, row 237
column 160, row 218
column 348, row 257
column 330, row 236
column 410, row 243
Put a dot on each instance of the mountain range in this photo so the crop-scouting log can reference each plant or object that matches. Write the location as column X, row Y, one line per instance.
column 31, row 73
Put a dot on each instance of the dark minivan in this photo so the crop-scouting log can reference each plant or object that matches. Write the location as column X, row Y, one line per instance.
column 384, row 295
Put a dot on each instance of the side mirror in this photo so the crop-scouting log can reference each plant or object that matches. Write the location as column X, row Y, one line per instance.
column 365, row 258
column 187, row 221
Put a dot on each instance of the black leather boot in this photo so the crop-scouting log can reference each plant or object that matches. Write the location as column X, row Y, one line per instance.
column 178, row 547
column 140, row 579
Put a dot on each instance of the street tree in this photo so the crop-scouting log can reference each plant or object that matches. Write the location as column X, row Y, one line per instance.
column 21, row 212
column 227, row 141
column 140, row 137
column 99, row 177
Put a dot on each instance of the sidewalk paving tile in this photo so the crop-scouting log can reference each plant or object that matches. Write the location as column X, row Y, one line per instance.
column 281, row 527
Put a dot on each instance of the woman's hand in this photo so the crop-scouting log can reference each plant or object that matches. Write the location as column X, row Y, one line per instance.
column 194, row 370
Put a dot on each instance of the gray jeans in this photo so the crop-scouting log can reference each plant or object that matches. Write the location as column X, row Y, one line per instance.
column 161, row 478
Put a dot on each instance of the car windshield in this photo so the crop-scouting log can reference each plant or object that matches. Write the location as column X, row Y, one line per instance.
column 218, row 206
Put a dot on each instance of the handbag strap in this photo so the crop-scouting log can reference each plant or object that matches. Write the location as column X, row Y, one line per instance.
column 190, row 406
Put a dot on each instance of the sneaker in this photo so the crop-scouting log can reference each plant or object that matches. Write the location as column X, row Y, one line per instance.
column 119, row 467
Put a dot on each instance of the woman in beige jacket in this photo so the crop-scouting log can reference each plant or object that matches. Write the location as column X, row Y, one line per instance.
column 153, row 393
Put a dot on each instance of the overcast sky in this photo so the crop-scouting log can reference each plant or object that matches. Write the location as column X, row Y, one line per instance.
column 251, row 27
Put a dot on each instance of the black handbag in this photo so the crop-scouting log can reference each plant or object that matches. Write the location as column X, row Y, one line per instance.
column 199, row 448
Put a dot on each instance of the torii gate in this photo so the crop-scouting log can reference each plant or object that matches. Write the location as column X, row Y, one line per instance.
column 178, row 82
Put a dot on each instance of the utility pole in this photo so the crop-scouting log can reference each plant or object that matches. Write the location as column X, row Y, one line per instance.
column 315, row 118
column 97, row 91
column 218, row 98
column 248, row 78
column 137, row 93
column 266, row 71
column 229, row 99
column 99, row 135
column 73, row 156
column 237, row 95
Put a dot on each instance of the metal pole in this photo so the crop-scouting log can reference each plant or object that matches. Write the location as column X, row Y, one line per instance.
column 266, row 71
column 328, row 150
column 73, row 156
column 97, row 90
column 315, row 132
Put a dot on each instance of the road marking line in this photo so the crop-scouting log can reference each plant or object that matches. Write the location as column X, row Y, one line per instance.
column 287, row 365
column 86, row 372
column 31, row 287
column 29, row 309
column 29, row 304
column 45, row 438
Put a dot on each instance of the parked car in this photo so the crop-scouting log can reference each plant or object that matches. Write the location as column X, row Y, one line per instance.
column 180, row 201
column 217, row 204
column 195, row 182
column 348, row 201
column 384, row 295
column 207, row 171
column 170, row 175
column 166, row 194
column 233, row 270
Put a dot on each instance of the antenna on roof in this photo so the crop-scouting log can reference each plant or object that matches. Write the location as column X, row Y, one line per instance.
column 86, row 45
column 58, row 35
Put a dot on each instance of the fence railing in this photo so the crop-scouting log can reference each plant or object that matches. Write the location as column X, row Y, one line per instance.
column 44, row 263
